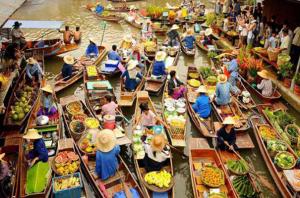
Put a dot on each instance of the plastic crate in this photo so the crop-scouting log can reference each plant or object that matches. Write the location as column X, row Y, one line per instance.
column 70, row 192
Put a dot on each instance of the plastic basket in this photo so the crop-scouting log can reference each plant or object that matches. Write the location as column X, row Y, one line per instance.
column 70, row 192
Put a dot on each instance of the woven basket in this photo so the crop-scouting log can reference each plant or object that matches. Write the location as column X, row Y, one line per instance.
column 76, row 135
column 177, row 132
column 79, row 116
column 70, row 110
column 293, row 139
column 286, row 168
column 273, row 54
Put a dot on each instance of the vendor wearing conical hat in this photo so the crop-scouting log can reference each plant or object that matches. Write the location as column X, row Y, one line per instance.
column 107, row 154
column 159, row 66
column 173, row 36
column 202, row 105
column 138, row 56
column 131, row 76
column 4, row 170
column 226, row 135
column 92, row 49
column 67, row 69
column 34, row 72
column 156, row 153
column 189, row 39
column 266, row 85
column 39, row 151
column 47, row 108
column 223, row 89
column 208, row 37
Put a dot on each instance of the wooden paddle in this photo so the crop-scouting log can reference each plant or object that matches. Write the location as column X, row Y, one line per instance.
column 121, row 114
column 177, row 150
column 126, row 188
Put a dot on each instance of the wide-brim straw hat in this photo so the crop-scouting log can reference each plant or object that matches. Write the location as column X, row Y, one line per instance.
column 2, row 156
column 106, row 140
column 229, row 120
column 174, row 27
column 47, row 88
column 189, row 32
column 31, row 61
column 160, row 56
column 132, row 64
column 132, row 7
column 128, row 38
column 32, row 134
column 136, row 48
column 263, row 74
column 201, row 89
column 93, row 40
column 158, row 142
column 69, row 60
column 222, row 78
column 208, row 32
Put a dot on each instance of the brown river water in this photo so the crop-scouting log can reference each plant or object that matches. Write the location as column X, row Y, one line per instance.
column 73, row 13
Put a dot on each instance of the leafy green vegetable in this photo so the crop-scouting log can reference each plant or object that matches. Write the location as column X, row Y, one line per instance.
column 37, row 177
column 276, row 145
column 206, row 72
column 212, row 54
column 292, row 131
column 284, row 119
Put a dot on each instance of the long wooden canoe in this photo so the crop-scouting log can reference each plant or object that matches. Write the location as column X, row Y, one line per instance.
column 15, row 96
column 276, row 173
column 142, row 96
column 225, row 156
column 275, row 96
column 13, row 151
column 176, row 134
column 127, row 98
column 186, row 51
column 200, row 154
column 95, row 100
column 110, row 17
column 78, row 70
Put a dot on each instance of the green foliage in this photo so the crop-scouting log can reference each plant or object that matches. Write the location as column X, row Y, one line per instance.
column 210, row 18
column 155, row 11
column 284, row 119
column 212, row 54
column 206, row 72
column 297, row 79
column 37, row 178
column 285, row 69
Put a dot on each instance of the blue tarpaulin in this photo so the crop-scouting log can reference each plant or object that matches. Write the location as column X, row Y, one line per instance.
column 35, row 24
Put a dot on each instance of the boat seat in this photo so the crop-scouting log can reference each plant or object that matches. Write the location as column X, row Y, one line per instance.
column 115, row 178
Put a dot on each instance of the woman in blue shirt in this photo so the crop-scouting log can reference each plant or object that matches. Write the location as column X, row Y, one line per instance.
column 47, row 106
column 132, row 76
column 92, row 49
column 233, row 69
column 39, row 151
column 189, row 39
column 202, row 105
column 223, row 89
column 113, row 54
column 34, row 71
column 159, row 67
column 107, row 154
column 67, row 69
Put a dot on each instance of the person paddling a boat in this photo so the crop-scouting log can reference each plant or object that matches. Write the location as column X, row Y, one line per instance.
column 207, row 37
column 39, row 151
column 34, row 72
column 226, row 136
column 173, row 36
column 113, row 54
column 176, row 88
column 189, row 39
column 159, row 67
column 107, row 154
column 47, row 106
column 202, row 105
column 265, row 85
column 67, row 69
column 92, row 49
column 156, row 153
column 138, row 56
column 132, row 76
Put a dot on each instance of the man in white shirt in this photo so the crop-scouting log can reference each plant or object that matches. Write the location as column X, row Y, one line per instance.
column 284, row 46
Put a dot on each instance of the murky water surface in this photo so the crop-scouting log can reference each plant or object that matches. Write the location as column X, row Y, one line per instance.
column 74, row 13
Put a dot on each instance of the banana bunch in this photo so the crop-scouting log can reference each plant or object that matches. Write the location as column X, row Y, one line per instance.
column 160, row 179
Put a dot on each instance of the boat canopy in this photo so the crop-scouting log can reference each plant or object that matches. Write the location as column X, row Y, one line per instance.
column 35, row 24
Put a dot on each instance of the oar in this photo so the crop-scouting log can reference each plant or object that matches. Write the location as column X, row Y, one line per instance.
column 43, row 35
column 126, row 188
column 121, row 114
column 177, row 150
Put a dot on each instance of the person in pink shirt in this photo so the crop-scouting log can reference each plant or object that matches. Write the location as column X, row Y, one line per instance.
column 109, row 108
column 148, row 118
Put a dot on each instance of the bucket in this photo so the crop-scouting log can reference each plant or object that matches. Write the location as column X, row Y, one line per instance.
column 119, row 120
column 109, row 122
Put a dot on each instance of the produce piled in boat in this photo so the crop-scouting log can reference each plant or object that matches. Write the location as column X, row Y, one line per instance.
column 243, row 186
column 66, row 162
column 161, row 179
column 239, row 167
column 212, row 176
column 285, row 160
column 66, row 182
column 87, row 143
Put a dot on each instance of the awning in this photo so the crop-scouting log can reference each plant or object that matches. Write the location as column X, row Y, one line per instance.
column 35, row 24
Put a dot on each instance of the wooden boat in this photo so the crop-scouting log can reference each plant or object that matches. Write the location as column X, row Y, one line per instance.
column 19, row 87
column 127, row 98
column 78, row 70
column 276, row 173
column 225, row 156
column 204, row 126
column 95, row 98
column 187, row 51
column 176, row 134
column 142, row 96
column 201, row 154
column 110, row 17
column 201, row 46
column 239, row 99
column 13, row 151
column 275, row 96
